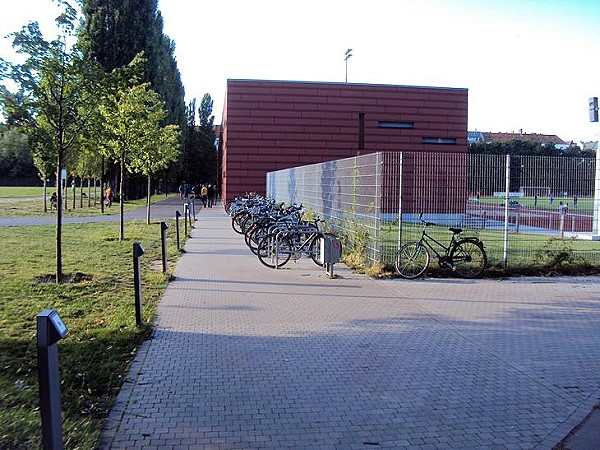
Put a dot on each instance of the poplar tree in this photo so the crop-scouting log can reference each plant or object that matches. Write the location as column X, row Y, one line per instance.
column 115, row 31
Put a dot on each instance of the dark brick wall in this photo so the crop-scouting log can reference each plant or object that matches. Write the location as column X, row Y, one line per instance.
column 271, row 125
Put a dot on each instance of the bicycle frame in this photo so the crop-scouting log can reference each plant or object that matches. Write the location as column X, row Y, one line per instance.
column 425, row 241
column 297, row 251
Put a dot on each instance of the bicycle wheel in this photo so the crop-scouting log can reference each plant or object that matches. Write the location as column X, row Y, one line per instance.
column 412, row 260
column 236, row 221
column 315, row 249
column 274, row 252
column 255, row 236
column 468, row 258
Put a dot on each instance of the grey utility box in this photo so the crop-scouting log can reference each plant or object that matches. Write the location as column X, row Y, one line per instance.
column 331, row 250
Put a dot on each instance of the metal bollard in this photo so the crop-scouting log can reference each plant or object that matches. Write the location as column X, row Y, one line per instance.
column 177, row 216
column 164, row 226
column 193, row 203
column 50, row 329
column 185, row 218
column 138, row 251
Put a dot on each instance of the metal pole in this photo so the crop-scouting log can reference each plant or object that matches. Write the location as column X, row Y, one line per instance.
column 138, row 251
column 185, row 219
column 596, row 212
column 400, row 200
column 177, row 216
column 164, row 226
column 506, row 198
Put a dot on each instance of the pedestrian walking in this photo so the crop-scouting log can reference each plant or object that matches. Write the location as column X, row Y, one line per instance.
column 204, row 195
column 108, row 196
column 211, row 195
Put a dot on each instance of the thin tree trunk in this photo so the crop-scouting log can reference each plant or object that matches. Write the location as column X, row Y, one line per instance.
column 59, row 216
column 102, row 187
column 45, row 196
column 121, row 202
column 89, row 186
column 148, row 203
column 81, row 193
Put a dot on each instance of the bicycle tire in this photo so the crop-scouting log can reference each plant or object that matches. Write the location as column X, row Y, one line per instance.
column 274, row 252
column 255, row 236
column 315, row 249
column 236, row 221
column 248, row 232
column 412, row 260
column 468, row 258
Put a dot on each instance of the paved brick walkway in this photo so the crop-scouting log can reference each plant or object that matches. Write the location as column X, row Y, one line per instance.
column 248, row 357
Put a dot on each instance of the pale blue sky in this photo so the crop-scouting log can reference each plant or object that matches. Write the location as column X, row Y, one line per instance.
column 528, row 64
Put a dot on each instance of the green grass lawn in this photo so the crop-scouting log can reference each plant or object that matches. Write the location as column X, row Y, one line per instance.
column 20, row 192
column 98, row 309
column 583, row 204
column 22, row 207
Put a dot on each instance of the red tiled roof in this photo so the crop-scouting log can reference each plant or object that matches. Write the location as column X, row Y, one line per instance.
column 530, row 137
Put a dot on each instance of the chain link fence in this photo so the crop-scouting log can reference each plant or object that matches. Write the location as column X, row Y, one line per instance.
column 529, row 211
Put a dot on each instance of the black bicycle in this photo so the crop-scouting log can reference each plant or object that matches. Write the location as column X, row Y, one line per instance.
column 464, row 255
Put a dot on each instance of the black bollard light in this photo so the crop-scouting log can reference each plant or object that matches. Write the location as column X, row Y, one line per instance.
column 138, row 251
column 177, row 216
column 193, row 203
column 164, row 226
column 50, row 329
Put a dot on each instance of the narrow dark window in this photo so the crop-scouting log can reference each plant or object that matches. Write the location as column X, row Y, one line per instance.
column 435, row 140
column 396, row 125
column 361, row 131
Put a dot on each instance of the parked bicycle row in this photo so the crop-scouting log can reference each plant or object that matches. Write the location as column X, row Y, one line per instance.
column 276, row 233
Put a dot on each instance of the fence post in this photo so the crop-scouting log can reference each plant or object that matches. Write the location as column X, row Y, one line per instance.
column 506, row 198
column 400, row 199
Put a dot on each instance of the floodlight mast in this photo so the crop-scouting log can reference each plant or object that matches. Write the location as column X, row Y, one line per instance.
column 347, row 56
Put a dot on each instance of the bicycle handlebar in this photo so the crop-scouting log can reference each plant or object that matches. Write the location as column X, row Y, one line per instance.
column 424, row 222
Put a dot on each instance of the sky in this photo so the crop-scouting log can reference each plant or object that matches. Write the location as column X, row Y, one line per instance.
column 529, row 65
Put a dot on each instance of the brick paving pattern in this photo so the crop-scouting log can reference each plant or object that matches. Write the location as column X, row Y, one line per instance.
column 248, row 357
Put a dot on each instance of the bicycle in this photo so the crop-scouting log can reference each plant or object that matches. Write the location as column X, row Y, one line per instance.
column 278, row 247
column 464, row 255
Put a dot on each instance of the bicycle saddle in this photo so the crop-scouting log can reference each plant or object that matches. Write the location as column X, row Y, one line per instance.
column 456, row 230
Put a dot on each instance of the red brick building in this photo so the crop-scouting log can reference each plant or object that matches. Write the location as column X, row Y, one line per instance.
column 272, row 125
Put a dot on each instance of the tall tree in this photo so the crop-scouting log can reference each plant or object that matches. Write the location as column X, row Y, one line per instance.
column 115, row 31
column 133, row 119
column 207, row 139
column 57, row 87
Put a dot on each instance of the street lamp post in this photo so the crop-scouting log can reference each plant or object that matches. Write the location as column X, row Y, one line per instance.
column 347, row 56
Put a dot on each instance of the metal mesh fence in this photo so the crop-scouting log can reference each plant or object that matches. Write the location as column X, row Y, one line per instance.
column 346, row 193
column 527, row 210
